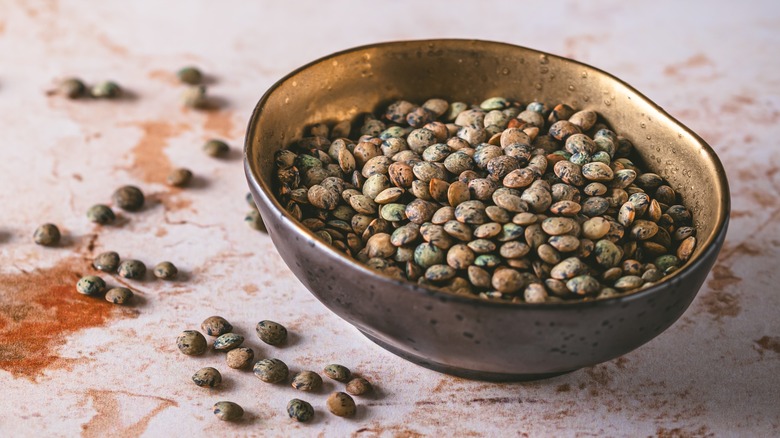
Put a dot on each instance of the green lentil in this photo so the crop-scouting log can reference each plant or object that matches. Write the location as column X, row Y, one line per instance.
column 270, row 332
column 228, row 341
column 129, row 198
column 207, row 377
column 307, row 381
column 72, row 88
column 47, row 235
column 270, row 370
column 194, row 97
column 227, row 411
column 132, row 269
column 106, row 90
column 337, row 372
column 216, row 148
column 300, row 410
column 165, row 271
column 191, row 343
column 216, row 326
column 179, row 177
column 106, row 261
column 190, row 75
column 341, row 404
column 91, row 285
column 119, row 295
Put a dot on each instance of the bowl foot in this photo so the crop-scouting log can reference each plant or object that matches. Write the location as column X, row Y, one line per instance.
column 463, row 372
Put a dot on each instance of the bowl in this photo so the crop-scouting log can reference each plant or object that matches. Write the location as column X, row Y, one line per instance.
column 460, row 335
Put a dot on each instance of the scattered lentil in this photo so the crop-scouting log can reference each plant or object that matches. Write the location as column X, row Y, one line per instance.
column 228, row 341
column 240, row 358
column 129, row 198
column 194, row 96
column 106, row 261
column 190, row 75
column 216, row 148
column 179, row 177
column 271, row 370
column 337, row 372
column 119, row 295
column 207, row 377
column 300, row 410
column 191, row 342
column 216, row 326
column 47, row 235
column 165, row 271
column 307, row 381
column 72, row 88
column 91, row 285
column 106, row 90
column 341, row 404
column 227, row 411
column 358, row 386
column 254, row 220
column 100, row 214
column 132, row 269
column 272, row 333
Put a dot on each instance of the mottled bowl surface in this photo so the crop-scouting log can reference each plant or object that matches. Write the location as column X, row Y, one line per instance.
column 462, row 335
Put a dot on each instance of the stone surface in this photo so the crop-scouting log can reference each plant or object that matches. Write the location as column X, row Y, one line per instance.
column 69, row 363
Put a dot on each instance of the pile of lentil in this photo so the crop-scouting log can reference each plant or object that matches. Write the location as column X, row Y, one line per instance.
column 499, row 200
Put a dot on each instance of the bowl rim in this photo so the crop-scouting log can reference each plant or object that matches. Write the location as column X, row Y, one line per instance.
column 266, row 193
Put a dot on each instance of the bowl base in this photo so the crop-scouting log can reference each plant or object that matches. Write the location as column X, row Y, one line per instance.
column 463, row 372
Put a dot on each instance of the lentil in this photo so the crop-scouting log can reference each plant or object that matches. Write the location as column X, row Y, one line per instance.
column 129, row 198
column 106, row 90
column 341, row 404
column 270, row 370
column 191, row 342
column 194, row 96
column 272, row 333
column 190, row 75
column 216, row 326
column 358, row 386
column 207, row 377
column 179, row 177
column 132, row 269
column 47, row 235
column 165, row 271
column 300, row 410
column 119, row 295
column 337, row 372
column 240, row 358
column 216, row 148
column 91, row 285
column 307, row 381
column 72, row 88
column 227, row 411
column 228, row 341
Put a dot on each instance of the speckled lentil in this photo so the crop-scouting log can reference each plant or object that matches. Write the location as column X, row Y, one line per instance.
column 190, row 75
column 240, row 357
column 129, row 198
column 179, row 177
column 100, row 214
column 47, row 235
column 307, row 381
column 358, row 386
column 271, row 370
column 500, row 200
column 216, row 326
column 191, row 342
column 131, row 269
column 91, row 285
column 228, row 341
column 72, row 88
column 337, row 372
column 207, row 377
column 300, row 410
column 341, row 404
column 119, row 295
column 106, row 90
column 270, row 332
column 227, row 411
column 216, row 148
column 165, row 271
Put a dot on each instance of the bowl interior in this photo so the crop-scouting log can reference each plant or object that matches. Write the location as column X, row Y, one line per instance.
column 346, row 84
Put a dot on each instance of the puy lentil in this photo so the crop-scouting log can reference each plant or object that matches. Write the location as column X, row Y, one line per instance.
column 358, row 386
column 190, row 75
column 72, row 88
column 119, row 295
column 216, row 326
column 207, row 377
column 107, row 261
column 100, row 214
column 228, row 341
column 194, row 96
column 337, row 372
column 191, row 342
column 240, row 357
column 341, row 404
column 227, row 411
column 165, row 271
column 307, row 381
column 128, row 198
column 270, row 332
column 47, row 235
column 270, row 370
column 502, row 193
column 106, row 90
column 300, row 410
column 91, row 285
column 132, row 269
column 179, row 177
column 216, row 148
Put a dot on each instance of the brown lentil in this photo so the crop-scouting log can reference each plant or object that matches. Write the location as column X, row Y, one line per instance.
column 272, row 333
column 337, row 372
column 191, row 342
column 358, row 386
column 107, row 261
column 47, row 235
column 240, row 358
column 207, row 377
column 216, row 326
column 270, row 370
column 119, row 295
column 341, row 404
column 227, row 411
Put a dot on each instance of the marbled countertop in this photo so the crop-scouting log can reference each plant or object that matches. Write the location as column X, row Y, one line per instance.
column 72, row 365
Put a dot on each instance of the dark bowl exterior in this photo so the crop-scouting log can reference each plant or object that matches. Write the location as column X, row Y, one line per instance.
column 476, row 338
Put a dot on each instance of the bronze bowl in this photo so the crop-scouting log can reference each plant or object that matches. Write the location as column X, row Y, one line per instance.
column 460, row 335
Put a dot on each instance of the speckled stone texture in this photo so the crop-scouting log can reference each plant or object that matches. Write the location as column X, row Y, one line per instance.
column 70, row 364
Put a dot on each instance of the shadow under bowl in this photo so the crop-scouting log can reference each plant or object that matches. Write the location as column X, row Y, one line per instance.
column 455, row 334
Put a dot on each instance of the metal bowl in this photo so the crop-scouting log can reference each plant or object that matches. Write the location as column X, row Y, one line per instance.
column 461, row 335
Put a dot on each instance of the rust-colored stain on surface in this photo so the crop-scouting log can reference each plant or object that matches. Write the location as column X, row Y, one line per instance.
column 149, row 160
column 109, row 416
column 719, row 302
column 769, row 343
column 677, row 432
column 219, row 122
column 696, row 61
column 165, row 76
column 38, row 310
